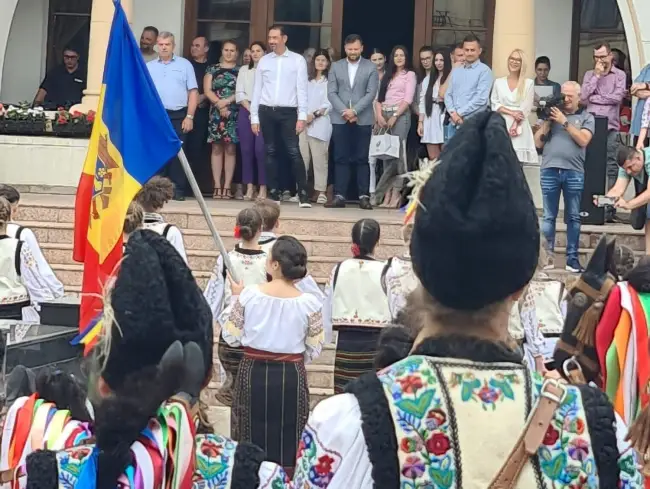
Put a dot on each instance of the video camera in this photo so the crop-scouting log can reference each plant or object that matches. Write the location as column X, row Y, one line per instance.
column 546, row 104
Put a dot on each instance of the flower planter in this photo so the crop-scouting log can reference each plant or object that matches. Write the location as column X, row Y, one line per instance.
column 72, row 130
column 22, row 127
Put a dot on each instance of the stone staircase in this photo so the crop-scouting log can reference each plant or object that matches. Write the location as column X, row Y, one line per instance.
column 324, row 232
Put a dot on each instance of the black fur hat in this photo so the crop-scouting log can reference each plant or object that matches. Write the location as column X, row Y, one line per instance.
column 476, row 234
column 155, row 302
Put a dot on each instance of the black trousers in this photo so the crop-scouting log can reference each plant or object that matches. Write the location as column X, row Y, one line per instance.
column 173, row 169
column 198, row 150
column 351, row 144
column 278, row 124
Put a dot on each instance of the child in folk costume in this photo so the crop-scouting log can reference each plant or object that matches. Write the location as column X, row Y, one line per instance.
column 281, row 329
column 270, row 212
column 152, row 197
column 22, row 285
column 398, row 277
column 146, row 377
column 248, row 260
column 48, row 280
column 356, row 305
column 462, row 408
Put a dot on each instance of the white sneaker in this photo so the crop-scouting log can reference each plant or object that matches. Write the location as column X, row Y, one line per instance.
column 286, row 196
column 322, row 199
column 294, row 199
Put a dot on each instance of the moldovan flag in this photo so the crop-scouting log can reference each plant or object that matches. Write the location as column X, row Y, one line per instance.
column 132, row 139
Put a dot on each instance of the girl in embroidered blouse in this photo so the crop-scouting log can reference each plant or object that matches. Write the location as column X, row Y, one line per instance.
column 152, row 197
column 22, row 285
column 248, row 259
column 280, row 329
column 393, row 110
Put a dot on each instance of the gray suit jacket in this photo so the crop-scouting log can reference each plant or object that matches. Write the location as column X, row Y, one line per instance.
column 361, row 96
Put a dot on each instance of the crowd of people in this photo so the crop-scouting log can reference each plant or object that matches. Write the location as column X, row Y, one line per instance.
column 438, row 355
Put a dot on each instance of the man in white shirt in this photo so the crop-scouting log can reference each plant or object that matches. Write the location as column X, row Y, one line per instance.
column 279, row 110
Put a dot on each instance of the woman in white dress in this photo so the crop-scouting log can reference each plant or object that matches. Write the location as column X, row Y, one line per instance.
column 280, row 329
column 513, row 97
column 431, row 106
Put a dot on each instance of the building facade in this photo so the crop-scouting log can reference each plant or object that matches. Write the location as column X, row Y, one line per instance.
column 33, row 33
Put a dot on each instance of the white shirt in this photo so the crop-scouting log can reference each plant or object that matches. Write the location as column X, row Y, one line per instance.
column 321, row 127
column 281, row 81
column 245, row 82
column 352, row 71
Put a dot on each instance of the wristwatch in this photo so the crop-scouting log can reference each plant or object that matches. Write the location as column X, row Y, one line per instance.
column 190, row 117
column 566, row 124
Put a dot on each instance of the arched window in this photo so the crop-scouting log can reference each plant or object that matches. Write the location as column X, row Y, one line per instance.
column 452, row 20
column 595, row 21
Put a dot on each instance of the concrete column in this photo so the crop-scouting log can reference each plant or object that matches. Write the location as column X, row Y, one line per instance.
column 100, row 27
column 514, row 28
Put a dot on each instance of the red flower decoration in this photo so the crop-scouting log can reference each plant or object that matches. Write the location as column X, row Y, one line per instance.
column 409, row 445
column 210, row 449
column 438, row 444
column 237, row 231
column 410, row 384
column 324, row 465
column 551, row 436
column 90, row 117
column 356, row 251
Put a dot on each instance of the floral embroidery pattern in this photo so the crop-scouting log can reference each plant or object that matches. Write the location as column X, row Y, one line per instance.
column 566, row 458
column 315, row 466
column 488, row 392
column 214, row 460
column 631, row 477
column 423, row 431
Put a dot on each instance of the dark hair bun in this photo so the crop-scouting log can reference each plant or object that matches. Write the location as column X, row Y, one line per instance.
column 246, row 233
column 292, row 257
column 249, row 222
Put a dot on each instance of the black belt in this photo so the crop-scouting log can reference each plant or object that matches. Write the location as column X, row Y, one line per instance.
column 177, row 114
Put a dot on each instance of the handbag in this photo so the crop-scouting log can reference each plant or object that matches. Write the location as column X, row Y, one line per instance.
column 639, row 216
column 384, row 146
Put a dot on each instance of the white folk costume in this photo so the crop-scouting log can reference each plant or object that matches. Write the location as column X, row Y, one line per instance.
column 156, row 223
column 271, row 400
column 250, row 269
column 48, row 279
column 158, row 438
column 21, row 283
column 461, row 411
column 398, row 281
column 357, row 308
column 307, row 285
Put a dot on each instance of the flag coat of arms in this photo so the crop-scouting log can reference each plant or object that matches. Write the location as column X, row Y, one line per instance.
column 132, row 139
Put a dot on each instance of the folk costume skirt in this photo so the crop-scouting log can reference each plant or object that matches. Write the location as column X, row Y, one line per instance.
column 230, row 358
column 356, row 348
column 271, row 404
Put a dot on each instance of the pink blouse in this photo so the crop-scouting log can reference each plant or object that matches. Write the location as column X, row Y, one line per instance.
column 401, row 89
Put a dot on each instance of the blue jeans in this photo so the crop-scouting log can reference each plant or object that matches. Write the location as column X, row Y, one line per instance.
column 571, row 183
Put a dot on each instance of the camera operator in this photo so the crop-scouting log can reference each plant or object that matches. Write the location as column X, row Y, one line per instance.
column 633, row 163
column 564, row 139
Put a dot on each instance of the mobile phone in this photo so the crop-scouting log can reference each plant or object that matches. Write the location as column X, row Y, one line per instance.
column 603, row 200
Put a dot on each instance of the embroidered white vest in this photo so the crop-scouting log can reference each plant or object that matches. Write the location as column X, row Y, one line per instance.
column 547, row 296
column 357, row 296
column 456, row 421
column 400, row 281
column 12, row 290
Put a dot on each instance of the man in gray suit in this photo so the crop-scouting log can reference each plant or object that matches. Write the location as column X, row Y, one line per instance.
column 352, row 87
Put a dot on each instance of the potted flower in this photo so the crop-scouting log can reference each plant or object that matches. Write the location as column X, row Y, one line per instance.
column 22, row 119
column 73, row 124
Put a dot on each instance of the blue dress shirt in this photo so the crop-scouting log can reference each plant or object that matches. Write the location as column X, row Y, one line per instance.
column 173, row 79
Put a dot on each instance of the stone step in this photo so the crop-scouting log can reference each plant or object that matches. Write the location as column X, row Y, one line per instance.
column 320, row 376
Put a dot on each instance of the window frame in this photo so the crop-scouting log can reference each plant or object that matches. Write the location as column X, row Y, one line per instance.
column 52, row 58
column 576, row 31
column 488, row 30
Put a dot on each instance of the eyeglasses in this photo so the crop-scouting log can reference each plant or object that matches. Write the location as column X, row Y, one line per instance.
column 515, row 60
column 67, row 56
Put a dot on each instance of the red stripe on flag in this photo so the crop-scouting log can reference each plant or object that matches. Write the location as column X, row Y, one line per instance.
column 82, row 205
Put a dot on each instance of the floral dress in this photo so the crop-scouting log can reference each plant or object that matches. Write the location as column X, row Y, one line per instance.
column 224, row 81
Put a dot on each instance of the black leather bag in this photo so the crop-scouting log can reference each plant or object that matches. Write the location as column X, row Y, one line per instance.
column 639, row 215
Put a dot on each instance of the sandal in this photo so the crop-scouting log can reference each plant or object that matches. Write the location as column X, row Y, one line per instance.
column 218, row 193
column 227, row 194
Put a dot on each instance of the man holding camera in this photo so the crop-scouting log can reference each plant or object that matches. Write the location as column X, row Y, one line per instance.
column 603, row 91
column 634, row 164
column 564, row 138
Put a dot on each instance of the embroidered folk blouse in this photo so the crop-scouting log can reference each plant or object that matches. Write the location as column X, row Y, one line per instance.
column 275, row 324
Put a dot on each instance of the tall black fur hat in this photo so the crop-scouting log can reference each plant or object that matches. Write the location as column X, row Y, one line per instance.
column 476, row 234
column 155, row 302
